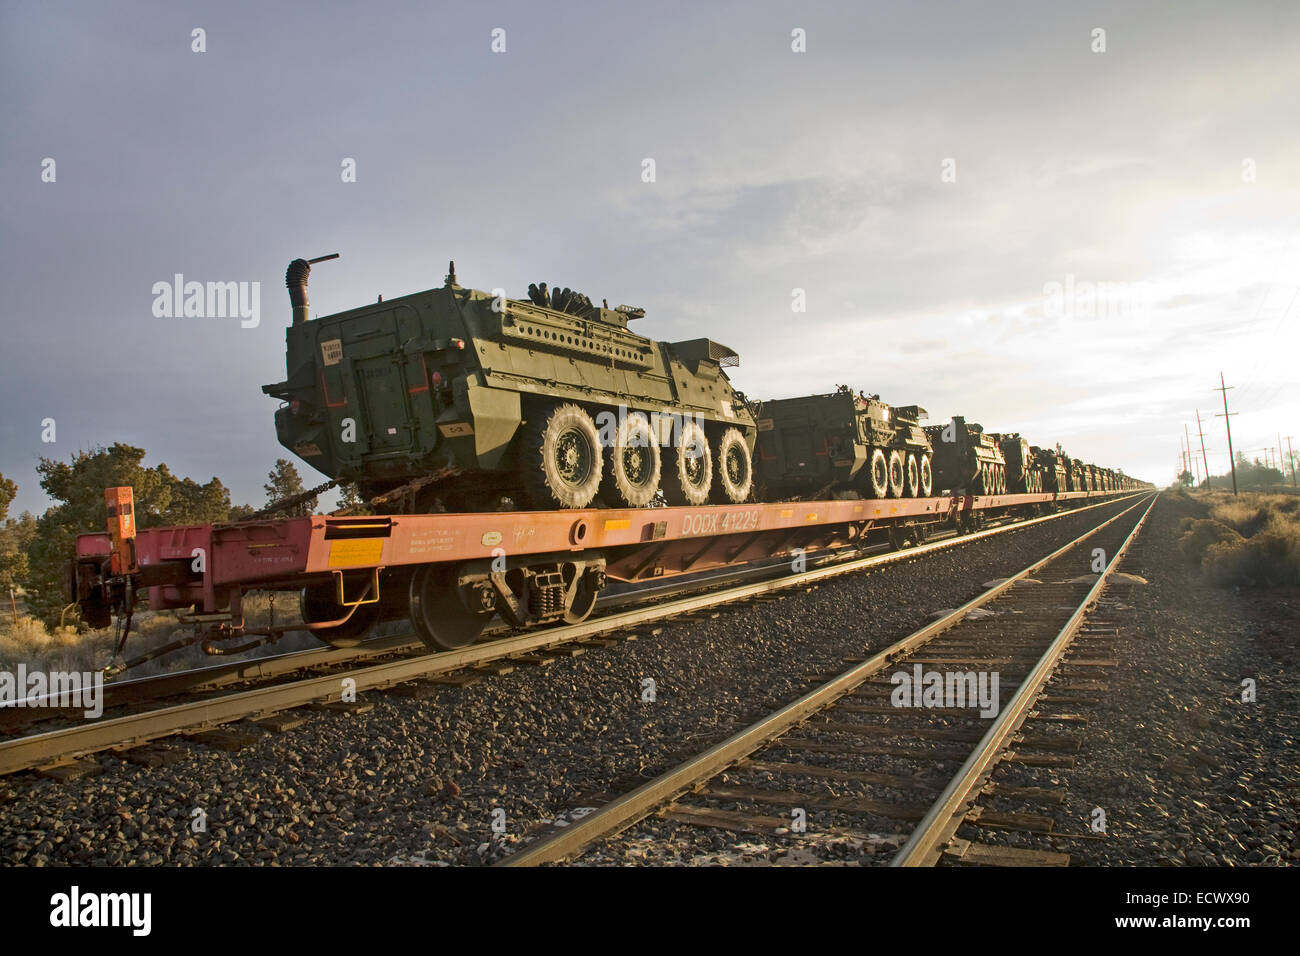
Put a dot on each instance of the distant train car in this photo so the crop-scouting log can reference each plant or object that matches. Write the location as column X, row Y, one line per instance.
column 1051, row 469
column 841, row 443
column 1022, row 477
column 966, row 460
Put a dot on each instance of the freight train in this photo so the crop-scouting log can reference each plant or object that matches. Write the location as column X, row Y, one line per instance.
column 486, row 434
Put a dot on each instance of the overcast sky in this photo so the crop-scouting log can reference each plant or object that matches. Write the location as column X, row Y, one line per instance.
column 924, row 172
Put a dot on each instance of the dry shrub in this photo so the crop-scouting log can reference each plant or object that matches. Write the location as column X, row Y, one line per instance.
column 1251, row 541
column 31, row 643
column 1199, row 534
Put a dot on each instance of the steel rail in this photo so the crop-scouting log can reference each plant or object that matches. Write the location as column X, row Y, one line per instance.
column 22, row 753
column 216, row 676
column 202, row 680
column 627, row 809
column 925, row 844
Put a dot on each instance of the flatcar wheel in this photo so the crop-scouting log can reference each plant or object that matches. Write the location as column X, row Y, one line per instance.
column 895, row 474
column 584, row 600
column 688, row 476
column 318, row 603
column 878, row 474
column 927, row 477
column 439, row 617
column 561, row 458
column 632, row 464
column 912, row 480
column 734, row 478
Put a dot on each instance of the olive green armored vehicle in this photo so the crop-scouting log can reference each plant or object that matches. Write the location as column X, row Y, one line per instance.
column 1051, row 469
column 459, row 400
column 966, row 459
column 1022, row 476
column 1079, row 476
column 842, row 443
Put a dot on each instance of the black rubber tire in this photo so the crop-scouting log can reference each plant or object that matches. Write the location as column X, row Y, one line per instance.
column 927, row 477
column 318, row 603
column 560, row 458
column 733, row 472
column 911, row 476
column 895, row 474
column 688, row 466
column 632, row 464
column 877, row 474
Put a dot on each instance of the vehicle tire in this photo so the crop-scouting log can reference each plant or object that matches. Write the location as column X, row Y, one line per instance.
column 734, row 472
column 561, row 458
column 632, row 464
column 895, row 474
column 688, row 473
column 911, row 476
column 877, row 474
column 927, row 477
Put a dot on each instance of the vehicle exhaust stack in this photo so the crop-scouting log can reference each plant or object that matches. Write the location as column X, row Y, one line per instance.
column 295, row 279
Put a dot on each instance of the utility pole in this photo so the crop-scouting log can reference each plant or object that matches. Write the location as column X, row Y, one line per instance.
column 1188, row 436
column 1204, row 459
column 1290, row 454
column 1227, row 421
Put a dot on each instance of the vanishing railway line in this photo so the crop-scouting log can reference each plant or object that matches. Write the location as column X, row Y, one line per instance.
column 1022, row 628
column 379, row 664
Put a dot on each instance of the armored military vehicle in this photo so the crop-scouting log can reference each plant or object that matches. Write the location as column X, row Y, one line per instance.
column 1051, row 469
column 966, row 460
column 1022, row 476
column 1079, row 475
column 844, row 444
column 455, row 399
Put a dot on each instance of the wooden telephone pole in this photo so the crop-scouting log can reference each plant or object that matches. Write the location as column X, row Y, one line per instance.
column 1204, row 460
column 1227, row 421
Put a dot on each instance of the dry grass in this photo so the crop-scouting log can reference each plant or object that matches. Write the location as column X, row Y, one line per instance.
column 1249, row 541
column 31, row 643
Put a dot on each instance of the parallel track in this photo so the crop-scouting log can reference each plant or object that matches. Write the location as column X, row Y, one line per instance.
column 1040, row 609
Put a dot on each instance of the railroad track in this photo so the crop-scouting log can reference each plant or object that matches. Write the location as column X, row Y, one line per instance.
column 131, row 730
column 861, row 749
